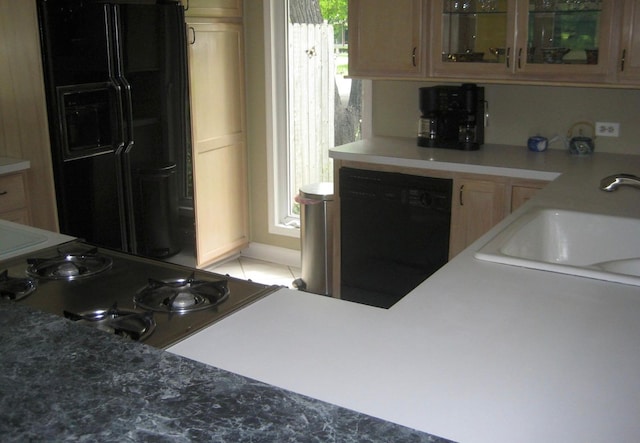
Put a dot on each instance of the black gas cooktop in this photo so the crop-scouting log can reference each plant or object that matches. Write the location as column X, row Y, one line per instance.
column 137, row 298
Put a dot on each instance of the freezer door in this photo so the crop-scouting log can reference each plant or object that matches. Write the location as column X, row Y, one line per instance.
column 91, row 119
column 85, row 112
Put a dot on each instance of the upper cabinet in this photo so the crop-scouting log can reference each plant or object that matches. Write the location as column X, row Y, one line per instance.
column 546, row 40
column 212, row 8
column 387, row 38
column 550, row 41
column 629, row 51
column 473, row 38
column 566, row 40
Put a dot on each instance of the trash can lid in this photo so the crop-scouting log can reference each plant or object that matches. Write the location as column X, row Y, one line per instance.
column 317, row 191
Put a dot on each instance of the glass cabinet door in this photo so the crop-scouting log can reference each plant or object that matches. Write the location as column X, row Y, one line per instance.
column 546, row 40
column 565, row 39
column 473, row 37
column 564, row 31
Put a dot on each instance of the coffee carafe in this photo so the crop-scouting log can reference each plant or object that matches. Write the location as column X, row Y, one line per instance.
column 452, row 117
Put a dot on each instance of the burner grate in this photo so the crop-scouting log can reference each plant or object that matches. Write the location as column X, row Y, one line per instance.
column 132, row 325
column 181, row 295
column 69, row 266
column 15, row 288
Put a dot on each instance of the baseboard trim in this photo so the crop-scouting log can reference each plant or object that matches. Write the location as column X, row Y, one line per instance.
column 273, row 254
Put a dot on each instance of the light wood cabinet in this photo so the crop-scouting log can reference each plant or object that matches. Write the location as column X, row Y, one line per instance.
column 478, row 205
column 524, row 40
column 14, row 204
column 387, row 38
column 629, row 51
column 212, row 8
column 463, row 41
column 506, row 41
column 216, row 74
column 523, row 190
column 480, row 202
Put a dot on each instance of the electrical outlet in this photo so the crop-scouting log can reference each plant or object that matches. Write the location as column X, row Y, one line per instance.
column 607, row 129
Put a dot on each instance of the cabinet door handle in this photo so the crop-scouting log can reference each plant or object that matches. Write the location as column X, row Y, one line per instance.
column 193, row 35
column 413, row 56
column 460, row 196
column 507, row 58
column 624, row 57
column 520, row 58
column 4, row 192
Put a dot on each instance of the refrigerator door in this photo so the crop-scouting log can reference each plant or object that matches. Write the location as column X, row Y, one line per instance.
column 150, row 62
column 117, row 97
column 85, row 111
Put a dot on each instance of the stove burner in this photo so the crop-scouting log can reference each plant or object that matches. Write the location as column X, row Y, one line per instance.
column 69, row 266
column 181, row 295
column 131, row 325
column 15, row 288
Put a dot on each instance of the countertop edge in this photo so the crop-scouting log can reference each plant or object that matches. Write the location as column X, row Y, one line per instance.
column 490, row 159
column 9, row 165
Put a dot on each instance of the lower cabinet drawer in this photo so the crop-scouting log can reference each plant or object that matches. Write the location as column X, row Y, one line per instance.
column 18, row 216
column 13, row 198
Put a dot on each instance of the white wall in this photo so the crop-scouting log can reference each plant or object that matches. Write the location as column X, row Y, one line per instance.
column 517, row 112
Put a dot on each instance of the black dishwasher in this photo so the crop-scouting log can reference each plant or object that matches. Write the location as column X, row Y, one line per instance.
column 394, row 231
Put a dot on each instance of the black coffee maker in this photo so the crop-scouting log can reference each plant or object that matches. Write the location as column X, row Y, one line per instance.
column 452, row 117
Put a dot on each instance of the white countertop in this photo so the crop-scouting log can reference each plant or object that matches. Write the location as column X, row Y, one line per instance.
column 479, row 352
column 8, row 165
column 17, row 239
column 501, row 160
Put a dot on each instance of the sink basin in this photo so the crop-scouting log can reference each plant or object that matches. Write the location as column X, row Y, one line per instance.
column 577, row 243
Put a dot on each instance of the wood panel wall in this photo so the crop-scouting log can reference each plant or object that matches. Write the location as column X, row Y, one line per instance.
column 24, row 131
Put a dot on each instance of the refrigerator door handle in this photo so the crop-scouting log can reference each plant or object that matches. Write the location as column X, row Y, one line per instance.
column 125, row 165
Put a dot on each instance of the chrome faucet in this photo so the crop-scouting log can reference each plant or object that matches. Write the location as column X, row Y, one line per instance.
column 612, row 182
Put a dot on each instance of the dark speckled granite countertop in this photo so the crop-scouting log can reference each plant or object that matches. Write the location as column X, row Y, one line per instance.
column 61, row 381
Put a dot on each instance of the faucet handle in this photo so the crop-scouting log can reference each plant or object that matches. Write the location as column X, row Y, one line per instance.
column 612, row 182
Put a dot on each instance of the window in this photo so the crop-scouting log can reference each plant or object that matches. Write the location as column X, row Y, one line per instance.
column 311, row 106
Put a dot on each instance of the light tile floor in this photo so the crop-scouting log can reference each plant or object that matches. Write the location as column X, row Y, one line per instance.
column 258, row 271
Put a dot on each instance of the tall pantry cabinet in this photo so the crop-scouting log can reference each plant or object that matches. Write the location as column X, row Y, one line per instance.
column 216, row 79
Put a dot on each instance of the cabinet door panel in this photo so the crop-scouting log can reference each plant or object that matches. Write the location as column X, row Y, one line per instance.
column 520, row 195
column 221, row 206
column 219, row 149
column 12, row 192
column 477, row 207
column 473, row 39
column 386, row 38
column 212, row 8
column 565, row 41
column 629, row 63
column 18, row 216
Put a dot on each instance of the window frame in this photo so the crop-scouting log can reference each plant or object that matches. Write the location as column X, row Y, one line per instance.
column 276, row 95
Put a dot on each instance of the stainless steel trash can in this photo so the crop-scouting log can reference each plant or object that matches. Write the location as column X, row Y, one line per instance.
column 316, row 238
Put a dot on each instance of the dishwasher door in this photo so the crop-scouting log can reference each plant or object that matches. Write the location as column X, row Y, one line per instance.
column 394, row 231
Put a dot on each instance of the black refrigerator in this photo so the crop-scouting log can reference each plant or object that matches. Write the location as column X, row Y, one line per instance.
column 117, row 100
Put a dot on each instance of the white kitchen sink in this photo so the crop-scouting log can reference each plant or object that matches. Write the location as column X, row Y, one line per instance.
column 588, row 245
